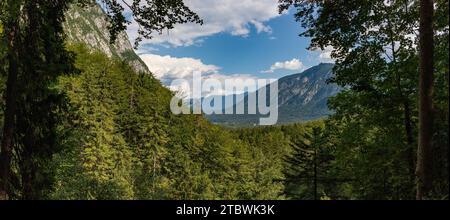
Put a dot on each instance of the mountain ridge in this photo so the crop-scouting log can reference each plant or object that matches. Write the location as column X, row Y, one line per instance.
column 301, row 97
column 88, row 25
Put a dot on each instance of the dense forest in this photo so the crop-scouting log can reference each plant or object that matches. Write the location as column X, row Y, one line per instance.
column 78, row 124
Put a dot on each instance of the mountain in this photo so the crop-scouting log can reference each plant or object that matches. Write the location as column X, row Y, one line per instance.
column 89, row 25
column 301, row 97
column 305, row 96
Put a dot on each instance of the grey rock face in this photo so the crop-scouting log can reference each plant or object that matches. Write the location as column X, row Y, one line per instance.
column 89, row 25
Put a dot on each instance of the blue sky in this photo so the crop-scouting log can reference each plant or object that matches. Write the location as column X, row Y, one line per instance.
column 249, row 40
column 250, row 54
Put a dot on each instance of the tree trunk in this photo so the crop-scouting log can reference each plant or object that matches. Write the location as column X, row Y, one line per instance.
column 424, row 152
column 10, row 111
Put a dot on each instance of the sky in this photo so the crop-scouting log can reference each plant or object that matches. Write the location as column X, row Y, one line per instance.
column 240, row 39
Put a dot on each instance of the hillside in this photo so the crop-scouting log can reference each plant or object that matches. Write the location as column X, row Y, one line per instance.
column 305, row 96
column 302, row 97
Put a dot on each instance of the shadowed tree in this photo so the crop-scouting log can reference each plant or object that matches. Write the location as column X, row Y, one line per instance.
column 424, row 152
column 32, row 67
column 375, row 59
column 381, row 58
column 307, row 167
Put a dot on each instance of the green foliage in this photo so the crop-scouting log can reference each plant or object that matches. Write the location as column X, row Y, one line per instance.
column 31, row 69
column 268, row 146
column 375, row 124
column 102, row 159
column 36, row 58
column 306, row 167
column 121, row 141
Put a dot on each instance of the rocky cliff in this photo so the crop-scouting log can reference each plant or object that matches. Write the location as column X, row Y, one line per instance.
column 89, row 25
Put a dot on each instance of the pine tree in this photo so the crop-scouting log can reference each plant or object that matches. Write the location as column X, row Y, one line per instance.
column 307, row 167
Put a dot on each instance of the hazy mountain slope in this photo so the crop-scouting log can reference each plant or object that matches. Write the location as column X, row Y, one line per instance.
column 301, row 97
column 305, row 96
column 89, row 26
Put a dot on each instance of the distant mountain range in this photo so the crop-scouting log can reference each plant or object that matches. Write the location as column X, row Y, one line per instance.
column 301, row 97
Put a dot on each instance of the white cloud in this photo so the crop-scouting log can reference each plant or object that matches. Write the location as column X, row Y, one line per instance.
column 169, row 69
column 229, row 16
column 294, row 64
column 239, row 81
column 325, row 55
column 260, row 27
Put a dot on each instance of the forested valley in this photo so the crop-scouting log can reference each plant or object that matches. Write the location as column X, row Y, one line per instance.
column 79, row 124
